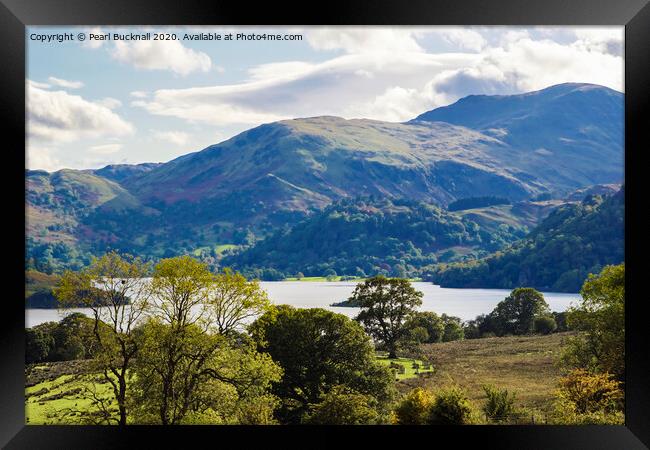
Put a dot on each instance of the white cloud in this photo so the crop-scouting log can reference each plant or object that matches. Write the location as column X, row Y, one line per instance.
column 110, row 103
column 179, row 138
column 394, row 105
column 36, row 84
column 56, row 116
column 363, row 39
column 138, row 94
column 41, row 158
column 600, row 39
column 65, row 83
column 162, row 55
column 385, row 74
column 512, row 36
column 106, row 149
column 536, row 64
column 463, row 38
column 296, row 89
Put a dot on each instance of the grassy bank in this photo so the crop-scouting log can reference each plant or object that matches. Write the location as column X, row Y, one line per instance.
column 58, row 393
column 525, row 365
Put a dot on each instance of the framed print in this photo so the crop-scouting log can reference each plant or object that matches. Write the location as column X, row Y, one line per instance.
column 377, row 221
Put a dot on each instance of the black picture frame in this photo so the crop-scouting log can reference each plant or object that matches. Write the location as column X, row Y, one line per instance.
column 16, row 14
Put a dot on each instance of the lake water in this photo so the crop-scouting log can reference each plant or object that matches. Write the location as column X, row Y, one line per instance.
column 463, row 303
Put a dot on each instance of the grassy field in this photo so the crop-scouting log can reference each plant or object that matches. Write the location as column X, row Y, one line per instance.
column 59, row 401
column 407, row 363
column 525, row 365
column 217, row 248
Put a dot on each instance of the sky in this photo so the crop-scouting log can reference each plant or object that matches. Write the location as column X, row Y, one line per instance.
column 96, row 102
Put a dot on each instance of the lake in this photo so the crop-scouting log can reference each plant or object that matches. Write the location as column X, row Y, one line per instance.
column 463, row 303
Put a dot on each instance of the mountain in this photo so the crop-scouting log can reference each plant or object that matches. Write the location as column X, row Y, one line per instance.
column 571, row 126
column 278, row 174
column 303, row 163
column 120, row 172
column 573, row 241
column 57, row 206
column 56, row 202
column 369, row 236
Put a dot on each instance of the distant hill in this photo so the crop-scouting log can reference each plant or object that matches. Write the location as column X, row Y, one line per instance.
column 599, row 189
column 120, row 172
column 573, row 241
column 571, row 126
column 544, row 144
column 371, row 236
column 57, row 206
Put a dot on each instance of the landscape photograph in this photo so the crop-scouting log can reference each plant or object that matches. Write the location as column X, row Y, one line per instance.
column 363, row 225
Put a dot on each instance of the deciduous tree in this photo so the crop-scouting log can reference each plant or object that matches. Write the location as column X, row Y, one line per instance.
column 318, row 350
column 113, row 288
column 386, row 304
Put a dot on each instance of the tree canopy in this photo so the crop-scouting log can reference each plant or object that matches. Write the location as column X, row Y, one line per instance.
column 601, row 317
column 386, row 304
column 319, row 351
column 516, row 313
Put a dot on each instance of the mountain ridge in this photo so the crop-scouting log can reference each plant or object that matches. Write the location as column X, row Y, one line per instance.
column 277, row 174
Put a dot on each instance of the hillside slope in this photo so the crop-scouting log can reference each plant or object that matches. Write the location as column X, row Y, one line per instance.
column 371, row 236
column 573, row 241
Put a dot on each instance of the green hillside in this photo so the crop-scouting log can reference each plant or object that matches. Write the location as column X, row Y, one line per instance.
column 371, row 236
column 573, row 241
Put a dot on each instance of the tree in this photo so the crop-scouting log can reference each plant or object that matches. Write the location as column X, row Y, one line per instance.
column 601, row 318
column 516, row 313
column 560, row 320
column 74, row 338
column 386, row 304
column 232, row 300
column 430, row 322
column 544, row 325
column 104, row 287
column 319, row 350
column 180, row 287
column 184, row 367
column 38, row 345
column 191, row 376
column 330, row 274
column 453, row 328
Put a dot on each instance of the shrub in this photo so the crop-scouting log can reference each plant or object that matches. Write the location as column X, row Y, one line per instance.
column 585, row 397
column 544, row 325
column 451, row 407
column 499, row 405
column 342, row 406
column 415, row 408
